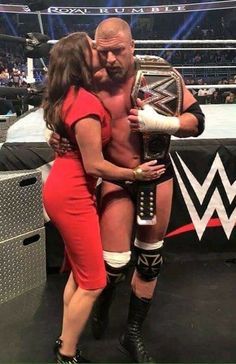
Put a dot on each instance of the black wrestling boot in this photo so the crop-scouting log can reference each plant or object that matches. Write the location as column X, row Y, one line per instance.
column 131, row 341
column 100, row 315
column 63, row 359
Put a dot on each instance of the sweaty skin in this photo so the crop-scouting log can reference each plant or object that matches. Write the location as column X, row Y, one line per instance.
column 124, row 148
column 116, row 52
column 117, row 211
column 116, row 49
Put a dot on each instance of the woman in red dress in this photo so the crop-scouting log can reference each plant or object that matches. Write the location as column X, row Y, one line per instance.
column 71, row 107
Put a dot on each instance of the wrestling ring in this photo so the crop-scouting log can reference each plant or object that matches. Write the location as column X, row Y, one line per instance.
column 220, row 128
column 205, row 194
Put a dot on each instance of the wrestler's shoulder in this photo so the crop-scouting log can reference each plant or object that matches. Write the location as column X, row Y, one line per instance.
column 155, row 62
column 151, row 59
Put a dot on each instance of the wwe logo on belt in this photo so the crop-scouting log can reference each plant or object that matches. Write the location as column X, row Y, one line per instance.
column 215, row 203
column 158, row 84
column 158, row 93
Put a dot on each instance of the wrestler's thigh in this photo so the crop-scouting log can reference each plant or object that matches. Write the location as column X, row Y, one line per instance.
column 116, row 218
column 153, row 233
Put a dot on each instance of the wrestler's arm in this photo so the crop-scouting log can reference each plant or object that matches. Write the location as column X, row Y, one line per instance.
column 189, row 123
column 88, row 136
column 192, row 118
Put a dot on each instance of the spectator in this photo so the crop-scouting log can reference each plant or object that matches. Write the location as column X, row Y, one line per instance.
column 216, row 97
column 231, row 98
column 6, row 107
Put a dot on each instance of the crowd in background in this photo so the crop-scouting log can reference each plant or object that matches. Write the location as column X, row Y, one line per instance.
column 213, row 95
column 13, row 62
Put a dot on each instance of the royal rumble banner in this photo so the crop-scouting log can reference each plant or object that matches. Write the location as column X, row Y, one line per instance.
column 204, row 202
column 128, row 10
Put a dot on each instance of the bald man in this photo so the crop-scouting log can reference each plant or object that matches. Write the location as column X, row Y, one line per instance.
column 115, row 82
column 116, row 48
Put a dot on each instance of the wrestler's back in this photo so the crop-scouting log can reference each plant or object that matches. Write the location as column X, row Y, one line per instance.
column 124, row 147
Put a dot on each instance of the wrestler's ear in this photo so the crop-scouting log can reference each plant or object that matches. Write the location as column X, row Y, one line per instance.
column 94, row 46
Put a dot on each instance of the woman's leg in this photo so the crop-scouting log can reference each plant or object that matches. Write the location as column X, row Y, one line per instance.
column 77, row 308
column 69, row 291
column 81, row 233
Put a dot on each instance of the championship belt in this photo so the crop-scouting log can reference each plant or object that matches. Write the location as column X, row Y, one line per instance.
column 157, row 83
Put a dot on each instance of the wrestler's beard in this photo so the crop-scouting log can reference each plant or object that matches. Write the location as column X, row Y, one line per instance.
column 116, row 74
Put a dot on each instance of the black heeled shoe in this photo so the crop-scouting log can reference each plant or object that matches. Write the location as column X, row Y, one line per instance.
column 63, row 359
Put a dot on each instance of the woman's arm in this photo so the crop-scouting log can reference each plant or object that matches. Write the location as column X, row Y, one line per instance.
column 88, row 136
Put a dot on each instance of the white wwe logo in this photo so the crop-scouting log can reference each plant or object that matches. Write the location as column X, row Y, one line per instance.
column 215, row 203
column 158, row 92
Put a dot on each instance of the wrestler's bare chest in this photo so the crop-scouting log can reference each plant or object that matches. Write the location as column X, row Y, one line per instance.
column 124, row 148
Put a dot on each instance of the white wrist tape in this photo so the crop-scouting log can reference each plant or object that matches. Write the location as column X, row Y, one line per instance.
column 152, row 121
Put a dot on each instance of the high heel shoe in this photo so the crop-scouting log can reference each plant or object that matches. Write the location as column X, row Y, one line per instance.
column 63, row 359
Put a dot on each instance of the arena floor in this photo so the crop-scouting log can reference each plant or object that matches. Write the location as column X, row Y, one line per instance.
column 192, row 320
column 220, row 121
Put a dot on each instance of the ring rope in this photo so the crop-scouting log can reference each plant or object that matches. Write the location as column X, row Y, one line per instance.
column 211, row 86
column 187, row 49
column 209, row 66
column 174, row 41
column 184, row 41
column 179, row 67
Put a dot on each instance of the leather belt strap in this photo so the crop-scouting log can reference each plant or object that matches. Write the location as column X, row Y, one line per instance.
column 146, row 203
column 159, row 85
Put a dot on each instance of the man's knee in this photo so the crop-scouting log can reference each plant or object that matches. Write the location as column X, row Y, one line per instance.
column 117, row 265
column 148, row 259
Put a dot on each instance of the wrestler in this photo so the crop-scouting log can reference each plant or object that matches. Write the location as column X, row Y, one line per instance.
column 116, row 48
column 117, row 215
column 71, row 107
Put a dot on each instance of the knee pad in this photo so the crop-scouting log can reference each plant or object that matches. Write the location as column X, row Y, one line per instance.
column 117, row 265
column 148, row 259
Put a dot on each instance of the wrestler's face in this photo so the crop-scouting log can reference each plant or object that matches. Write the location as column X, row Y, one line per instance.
column 116, row 55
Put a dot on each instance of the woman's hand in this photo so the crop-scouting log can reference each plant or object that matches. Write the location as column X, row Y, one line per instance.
column 149, row 171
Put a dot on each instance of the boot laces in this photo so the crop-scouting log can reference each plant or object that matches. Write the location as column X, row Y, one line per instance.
column 139, row 343
column 70, row 361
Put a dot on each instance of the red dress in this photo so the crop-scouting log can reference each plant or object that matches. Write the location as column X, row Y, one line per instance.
column 69, row 196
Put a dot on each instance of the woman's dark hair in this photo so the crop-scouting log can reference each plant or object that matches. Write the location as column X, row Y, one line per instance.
column 68, row 66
